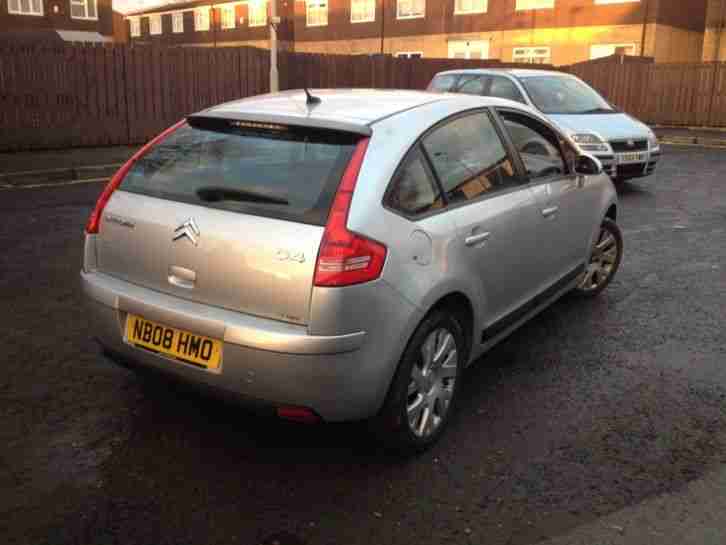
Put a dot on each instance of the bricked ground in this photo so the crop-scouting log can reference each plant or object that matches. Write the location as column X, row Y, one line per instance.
column 592, row 407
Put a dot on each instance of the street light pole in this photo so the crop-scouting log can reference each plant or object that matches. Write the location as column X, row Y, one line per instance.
column 274, row 75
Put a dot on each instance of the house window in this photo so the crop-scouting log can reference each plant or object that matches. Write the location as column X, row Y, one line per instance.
column 201, row 19
column 155, row 25
column 410, row 55
column 534, row 4
column 317, row 12
column 477, row 49
column 257, row 13
column 227, row 16
column 177, row 22
column 464, row 7
column 135, row 27
column 615, row 1
column 362, row 11
column 410, row 9
column 532, row 55
column 605, row 50
column 84, row 9
column 25, row 7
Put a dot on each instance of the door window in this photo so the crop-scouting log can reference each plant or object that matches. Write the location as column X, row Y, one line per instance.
column 504, row 88
column 469, row 158
column 413, row 190
column 537, row 144
column 442, row 83
column 472, row 85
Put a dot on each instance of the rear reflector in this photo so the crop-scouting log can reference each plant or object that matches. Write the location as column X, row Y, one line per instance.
column 347, row 258
column 298, row 414
column 94, row 221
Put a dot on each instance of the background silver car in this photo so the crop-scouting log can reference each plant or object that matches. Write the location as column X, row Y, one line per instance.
column 626, row 147
column 346, row 258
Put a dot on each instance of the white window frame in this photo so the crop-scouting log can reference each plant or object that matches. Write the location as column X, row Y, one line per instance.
column 483, row 8
column 614, row 47
column 534, row 4
column 529, row 54
column 407, row 54
column 201, row 19
column 227, row 17
column 155, row 25
column 615, row 1
column 368, row 10
column 18, row 8
column 85, row 4
column 177, row 22
column 134, row 27
column 411, row 14
column 316, row 5
column 485, row 46
column 257, row 13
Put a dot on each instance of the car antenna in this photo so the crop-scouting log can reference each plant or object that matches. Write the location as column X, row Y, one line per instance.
column 311, row 99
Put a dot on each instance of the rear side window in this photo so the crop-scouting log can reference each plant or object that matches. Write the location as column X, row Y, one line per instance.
column 469, row 158
column 276, row 171
column 413, row 190
column 443, row 83
column 504, row 88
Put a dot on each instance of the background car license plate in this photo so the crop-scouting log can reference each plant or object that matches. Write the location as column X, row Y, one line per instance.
column 173, row 342
column 631, row 158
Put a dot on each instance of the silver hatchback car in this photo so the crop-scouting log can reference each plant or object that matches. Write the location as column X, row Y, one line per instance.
column 344, row 256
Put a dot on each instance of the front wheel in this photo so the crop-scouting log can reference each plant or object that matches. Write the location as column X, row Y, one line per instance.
column 605, row 257
column 424, row 389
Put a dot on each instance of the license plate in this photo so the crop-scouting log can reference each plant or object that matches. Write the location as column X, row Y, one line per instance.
column 176, row 343
column 631, row 158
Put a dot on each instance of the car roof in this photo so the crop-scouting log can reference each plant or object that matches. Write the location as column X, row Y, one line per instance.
column 516, row 72
column 351, row 110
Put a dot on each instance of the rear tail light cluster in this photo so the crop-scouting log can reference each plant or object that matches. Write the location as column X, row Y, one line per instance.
column 347, row 258
column 94, row 221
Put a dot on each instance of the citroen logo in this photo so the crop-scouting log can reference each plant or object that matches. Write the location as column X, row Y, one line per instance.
column 187, row 229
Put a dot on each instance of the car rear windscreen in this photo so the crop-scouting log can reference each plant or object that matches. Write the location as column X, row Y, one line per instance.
column 284, row 172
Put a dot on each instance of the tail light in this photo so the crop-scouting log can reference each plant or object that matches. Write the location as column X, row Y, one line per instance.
column 347, row 258
column 301, row 415
column 94, row 221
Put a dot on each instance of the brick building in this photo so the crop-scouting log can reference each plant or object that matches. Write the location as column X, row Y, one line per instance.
column 547, row 31
column 28, row 21
column 714, row 43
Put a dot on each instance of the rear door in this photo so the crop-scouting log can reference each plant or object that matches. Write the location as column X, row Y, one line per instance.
column 227, row 214
column 492, row 208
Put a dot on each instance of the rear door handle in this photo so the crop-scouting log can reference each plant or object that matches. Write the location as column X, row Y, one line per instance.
column 549, row 212
column 471, row 240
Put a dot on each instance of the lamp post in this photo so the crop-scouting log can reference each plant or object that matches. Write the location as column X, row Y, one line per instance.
column 274, row 74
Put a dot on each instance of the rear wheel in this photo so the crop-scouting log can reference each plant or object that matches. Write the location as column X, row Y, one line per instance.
column 424, row 389
column 605, row 257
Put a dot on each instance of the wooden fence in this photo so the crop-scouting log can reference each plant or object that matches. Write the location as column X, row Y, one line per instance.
column 78, row 95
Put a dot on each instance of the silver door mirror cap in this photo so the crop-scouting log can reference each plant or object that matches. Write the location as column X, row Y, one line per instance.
column 588, row 165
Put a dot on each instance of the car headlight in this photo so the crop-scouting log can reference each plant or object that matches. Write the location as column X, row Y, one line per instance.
column 653, row 141
column 590, row 142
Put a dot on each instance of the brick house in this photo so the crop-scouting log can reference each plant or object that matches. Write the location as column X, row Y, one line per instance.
column 540, row 31
column 714, row 43
column 56, row 21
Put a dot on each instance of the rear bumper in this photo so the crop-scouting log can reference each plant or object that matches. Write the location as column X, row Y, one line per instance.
column 263, row 360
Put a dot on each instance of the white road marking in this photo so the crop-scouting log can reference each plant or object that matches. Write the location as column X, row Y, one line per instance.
column 55, row 184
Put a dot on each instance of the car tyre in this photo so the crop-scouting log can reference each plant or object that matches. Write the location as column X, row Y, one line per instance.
column 429, row 374
column 604, row 260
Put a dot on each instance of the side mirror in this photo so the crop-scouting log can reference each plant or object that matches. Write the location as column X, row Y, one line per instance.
column 587, row 165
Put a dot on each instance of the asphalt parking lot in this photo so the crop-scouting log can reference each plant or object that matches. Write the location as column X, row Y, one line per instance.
column 590, row 408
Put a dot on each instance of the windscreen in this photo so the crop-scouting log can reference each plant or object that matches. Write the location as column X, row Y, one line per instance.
column 564, row 95
column 277, row 171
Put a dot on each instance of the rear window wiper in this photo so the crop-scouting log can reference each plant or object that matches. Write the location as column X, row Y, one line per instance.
column 218, row 194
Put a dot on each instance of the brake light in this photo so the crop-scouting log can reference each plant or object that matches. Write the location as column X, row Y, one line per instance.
column 301, row 415
column 347, row 258
column 94, row 221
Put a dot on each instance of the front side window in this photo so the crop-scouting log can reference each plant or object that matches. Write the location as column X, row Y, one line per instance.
column 564, row 95
column 472, row 85
column 537, row 144
column 362, row 11
column 227, row 17
column 177, row 22
column 413, row 190
column 155, row 24
column 135, row 27
column 501, row 87
column 316, row 12
column 201, row 19
column 410, row 9
column 84, row 9
column 464, row 7
column 469, row 158
column 442, row 83
column 257, row 13
column 25, row 7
